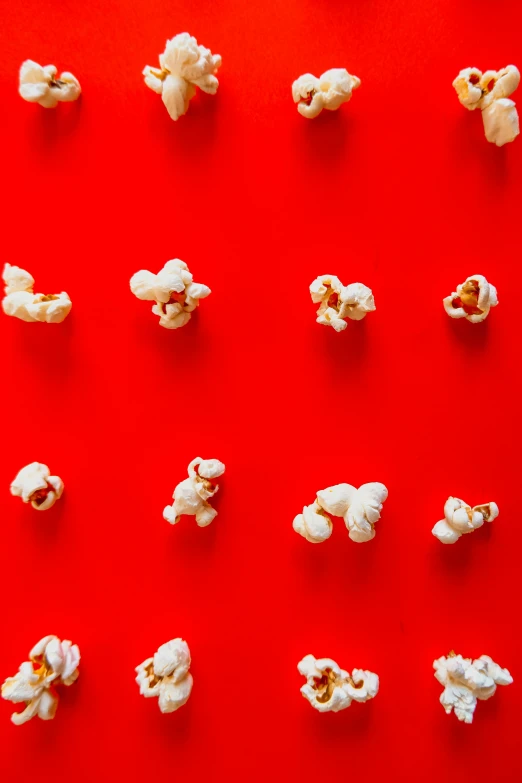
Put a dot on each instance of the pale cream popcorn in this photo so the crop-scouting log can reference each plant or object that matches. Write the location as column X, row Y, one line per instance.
column 166, row 676
column 466, row 681
column 191, row 495
column 459, row 518
column 21, row 302
column 51, row 663
column 40, row 84
column 338, row 302
column 330, row 689
column 35, row 485
column 473, row 299
column 490, row 92
column 329, row 91
column 360, row 509
column 172, row 290
column 184, row 65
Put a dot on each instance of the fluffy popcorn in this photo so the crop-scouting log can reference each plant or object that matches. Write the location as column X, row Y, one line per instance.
column 329, row 91
column 35, row 485
column 466, row 681
column 51, row 663
column 184, row 65
column 360, row 509
column 338, row 302
column 41, row 85
column 166, row 676
column 191, row 495
column 459, row 518
column 21, row 302
column 172, row 290
column 330, row 689
column 473, row 299
column 490, row 93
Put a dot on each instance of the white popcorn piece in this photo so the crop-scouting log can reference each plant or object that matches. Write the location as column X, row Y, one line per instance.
column 41, row 85
column 191, row 495
column 51, row 663
column 175, row 294
column 338, row 302
column 184, row 65
column 331, row 689
column 35, row 485
column 329, row 91
column 490, row 93
column 466, row 681
column 21, row 302
column 473, row 299
column 166, row 676
column 459, row 519
column 360, row 509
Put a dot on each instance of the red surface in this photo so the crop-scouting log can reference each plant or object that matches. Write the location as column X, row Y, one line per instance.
column 400, row 190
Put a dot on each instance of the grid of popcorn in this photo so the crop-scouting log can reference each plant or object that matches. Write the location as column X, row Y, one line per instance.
column 339, row 302
column 21, row 302
column 466, row 681
column 191, row 496
column 166, row 676
column 459, row 519
column 35, row 485
column 490, row 93
column 329, row 91
column 51, row 663
column 331, row 689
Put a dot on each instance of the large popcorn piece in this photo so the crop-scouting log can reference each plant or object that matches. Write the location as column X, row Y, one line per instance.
column 166, row 676
column 184, row 65
column 360, row 509
column 191, row 495
column 21, row 302
column 473, row 299
column 459, row 518
column 51, row 663
column 175, row 295
column 339, row 302
column 41, row 85
column 490, row 92
column 330, row 91
column 330, row 689
column 465, row 681
column 35, row 485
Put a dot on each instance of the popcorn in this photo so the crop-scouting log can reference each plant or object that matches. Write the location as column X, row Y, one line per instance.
column 459, row 518
column 184, row 66
column 339, row 302
column 330, row 91
column 473, row 299
column 167, row 676
column 20, row 301
column 36, row 486
column 191, row 495
column 465, row 681
column 51, row 663
column 39, row 85
column 172, row 290
column 489, row 92
column 330, row 689
column 360, row 509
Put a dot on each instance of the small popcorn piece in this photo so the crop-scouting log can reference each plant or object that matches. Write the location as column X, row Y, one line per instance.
column 472, row 300
column 490, row 93
column 184, row 65
column 175, row 294
column 331, row 689
column 360, row 509
column 35, row 485
column 329, row 91
column 20, row 301
column 459, row 519
column 166, row 676
column 338, row 302
column 466, row 681
column 51, row 663
column 41, row 85
column 191, row 495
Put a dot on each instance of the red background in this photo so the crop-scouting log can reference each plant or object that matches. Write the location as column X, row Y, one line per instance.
column 399, row 190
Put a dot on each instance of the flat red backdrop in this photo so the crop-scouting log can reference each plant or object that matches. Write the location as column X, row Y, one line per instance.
column 400, row 190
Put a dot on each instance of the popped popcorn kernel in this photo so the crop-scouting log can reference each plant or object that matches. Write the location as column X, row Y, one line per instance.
column 490, row 93
column 329, row 91
column 42, row 85
column 21, row 302
column 338, row 302
column 331, row 689
column 191, row 495
column 472, row 300
column 35, row 485
column 459, row 519
column 166, row 676
column 466, row 682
